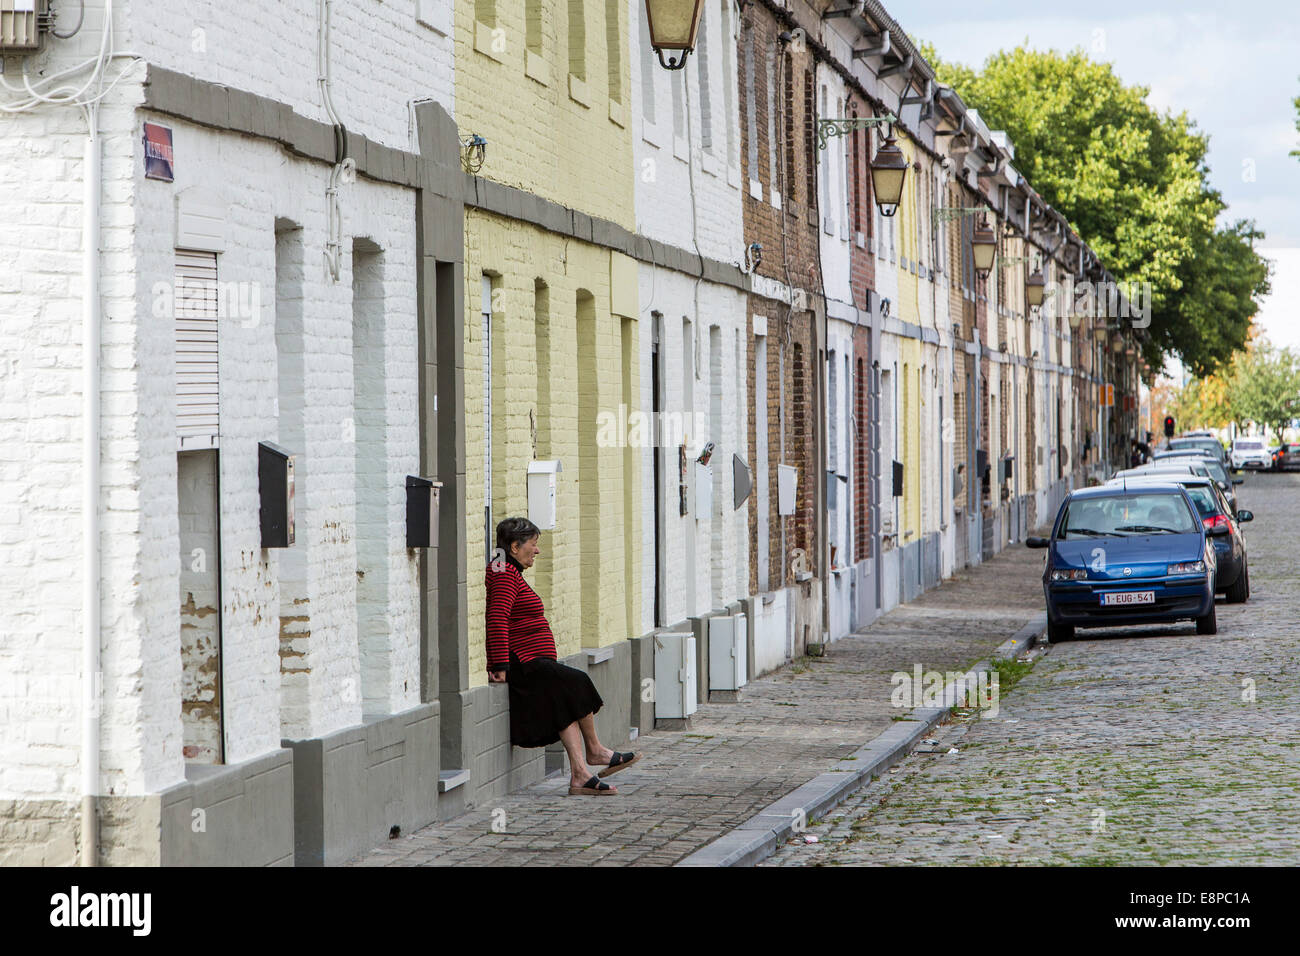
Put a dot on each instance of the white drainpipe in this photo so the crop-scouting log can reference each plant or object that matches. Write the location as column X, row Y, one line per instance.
column 90, row 626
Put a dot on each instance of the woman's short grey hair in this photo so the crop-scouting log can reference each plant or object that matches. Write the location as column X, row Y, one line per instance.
column 515, row 531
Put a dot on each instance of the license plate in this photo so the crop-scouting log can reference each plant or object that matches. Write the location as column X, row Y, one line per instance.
column 1128, row 597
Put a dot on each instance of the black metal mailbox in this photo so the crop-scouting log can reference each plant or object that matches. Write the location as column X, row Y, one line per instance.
column 275, row 488
column 422, row 496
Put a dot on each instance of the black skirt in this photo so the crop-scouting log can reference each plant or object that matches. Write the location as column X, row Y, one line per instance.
column 545, row 697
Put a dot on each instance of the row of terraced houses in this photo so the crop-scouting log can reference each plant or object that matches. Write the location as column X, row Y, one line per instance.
column 319, row 291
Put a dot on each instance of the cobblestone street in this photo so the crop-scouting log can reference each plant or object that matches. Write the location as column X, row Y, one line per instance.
column 1133, row 746
column 791, row 725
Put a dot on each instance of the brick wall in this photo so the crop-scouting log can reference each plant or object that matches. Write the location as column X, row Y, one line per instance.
column 381, row 55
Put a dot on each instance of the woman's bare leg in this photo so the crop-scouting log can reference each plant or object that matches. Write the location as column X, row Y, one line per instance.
column 597, row 752
column 571, row 737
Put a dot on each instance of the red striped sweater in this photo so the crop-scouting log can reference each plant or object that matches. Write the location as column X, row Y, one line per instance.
column 515, row 619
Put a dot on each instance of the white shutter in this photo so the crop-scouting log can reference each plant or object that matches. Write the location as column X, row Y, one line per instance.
column 196, row 307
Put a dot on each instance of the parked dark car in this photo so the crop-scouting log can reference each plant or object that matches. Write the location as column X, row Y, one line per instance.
column 1232, row 576
column 1128, row 555
column 1287, row 457
column 1218, row 471
column 1211, row 445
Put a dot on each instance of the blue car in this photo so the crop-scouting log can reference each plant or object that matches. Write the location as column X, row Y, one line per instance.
column 1126, row 555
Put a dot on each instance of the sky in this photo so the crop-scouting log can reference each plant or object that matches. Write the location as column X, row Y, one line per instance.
column 1233, row 68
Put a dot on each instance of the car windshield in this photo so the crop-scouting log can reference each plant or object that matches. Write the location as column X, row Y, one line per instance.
column 1250, row 445
column 1123, row 515
column 1210, row 444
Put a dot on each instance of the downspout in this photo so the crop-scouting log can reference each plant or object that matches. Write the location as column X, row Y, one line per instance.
column 90, row 565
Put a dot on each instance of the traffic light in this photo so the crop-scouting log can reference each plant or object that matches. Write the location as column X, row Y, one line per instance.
column 1169, row 426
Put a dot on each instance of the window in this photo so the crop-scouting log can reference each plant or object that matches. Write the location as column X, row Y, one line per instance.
column 751, row 118
column 197, row 306
column 648, row 73
column 809, row 137
column 702, row 74
column 577, row 39
column 728, row 84
column 533, row 25
column 614, row 48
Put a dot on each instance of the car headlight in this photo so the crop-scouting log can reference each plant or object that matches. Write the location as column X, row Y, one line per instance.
column 1070, row 574
column 1187, row 567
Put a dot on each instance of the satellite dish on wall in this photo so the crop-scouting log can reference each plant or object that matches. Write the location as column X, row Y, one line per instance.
column 741, row 482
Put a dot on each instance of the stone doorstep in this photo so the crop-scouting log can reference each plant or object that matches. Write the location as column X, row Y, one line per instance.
column 759, row 836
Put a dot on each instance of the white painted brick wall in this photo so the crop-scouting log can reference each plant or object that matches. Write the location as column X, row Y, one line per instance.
column 722, row 577
column 40, row 424
column 380, row 56
column 663, row 181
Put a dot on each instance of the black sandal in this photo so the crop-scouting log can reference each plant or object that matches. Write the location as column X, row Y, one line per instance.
column 619, row 761
column 592, row 788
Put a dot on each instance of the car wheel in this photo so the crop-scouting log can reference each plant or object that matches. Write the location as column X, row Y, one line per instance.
column 1238, row 593
column 1056, row 633
column 1245, row 572
column 1207, row 624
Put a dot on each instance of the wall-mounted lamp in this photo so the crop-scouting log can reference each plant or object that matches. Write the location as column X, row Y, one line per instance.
column 1036, row 288
column 984, row 246
column 753, row 257
column 473, row 153
column 888, row 171
column 673, row 25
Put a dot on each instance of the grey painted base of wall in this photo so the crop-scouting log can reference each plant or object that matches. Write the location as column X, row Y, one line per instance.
column 476, row 737
column 641, row 665
column 352, row 787
column 225, row 815
column 245, row 809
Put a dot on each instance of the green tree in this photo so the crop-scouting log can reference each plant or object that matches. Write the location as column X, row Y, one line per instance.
column 1134, row 184
column 1265, row 386
column 1296, row 102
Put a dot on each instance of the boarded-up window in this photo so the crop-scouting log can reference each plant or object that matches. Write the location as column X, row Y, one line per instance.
column 197, row 310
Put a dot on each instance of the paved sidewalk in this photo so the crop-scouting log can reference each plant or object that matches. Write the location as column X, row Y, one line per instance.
column 790, row 726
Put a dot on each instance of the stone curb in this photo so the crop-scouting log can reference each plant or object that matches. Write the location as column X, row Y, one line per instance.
column 759, row 836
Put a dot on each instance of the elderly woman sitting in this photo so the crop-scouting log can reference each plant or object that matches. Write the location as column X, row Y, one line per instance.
column 549, row 701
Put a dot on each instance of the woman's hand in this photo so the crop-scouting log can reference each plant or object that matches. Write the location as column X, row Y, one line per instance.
column 497, row 677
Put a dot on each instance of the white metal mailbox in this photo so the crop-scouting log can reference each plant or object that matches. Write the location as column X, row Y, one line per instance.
column 787, row 480
column 675, row 687
column 728, row 643
column 542, row 479
column 703, row 492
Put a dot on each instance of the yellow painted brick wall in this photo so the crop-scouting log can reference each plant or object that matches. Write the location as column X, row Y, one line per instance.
column 908, row 211
column 910, row 515
column 517, row 255
column 540, row 138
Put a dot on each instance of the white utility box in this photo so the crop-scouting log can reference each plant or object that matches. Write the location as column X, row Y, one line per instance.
column 728, row 645
column 787, row 483
column 22, row 25
column 542, row 479
column 675, row 686
column 703, row 492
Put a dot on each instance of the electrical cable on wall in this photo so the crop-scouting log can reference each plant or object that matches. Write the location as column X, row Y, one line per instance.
column 344, row 170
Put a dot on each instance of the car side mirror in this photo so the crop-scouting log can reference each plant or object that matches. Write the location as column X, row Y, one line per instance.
column 1218, row 530
column 1036, row 542
column 1243, row 516
column 1239, row 481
